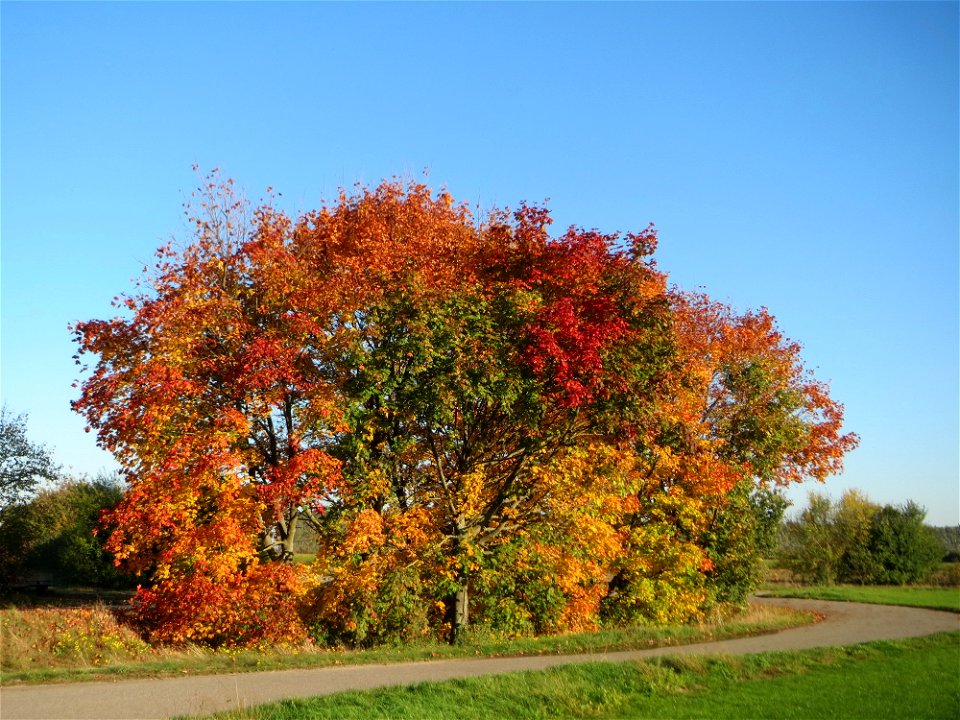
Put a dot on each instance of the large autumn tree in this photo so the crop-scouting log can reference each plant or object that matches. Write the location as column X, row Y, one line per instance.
column 448, row 402
column 482, row 357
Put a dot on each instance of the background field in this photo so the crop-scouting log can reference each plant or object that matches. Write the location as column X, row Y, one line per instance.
column 936, row 598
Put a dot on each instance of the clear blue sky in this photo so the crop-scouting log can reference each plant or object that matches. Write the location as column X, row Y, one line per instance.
column 802, row 157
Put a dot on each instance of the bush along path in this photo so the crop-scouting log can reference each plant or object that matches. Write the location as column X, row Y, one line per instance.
column 842, row 624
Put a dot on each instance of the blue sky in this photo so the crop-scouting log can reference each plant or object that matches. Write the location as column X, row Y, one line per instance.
column 802, row 157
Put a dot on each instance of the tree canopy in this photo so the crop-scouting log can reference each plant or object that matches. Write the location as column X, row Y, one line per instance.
column 460, row 407
column 854, row 540
column 23, row 464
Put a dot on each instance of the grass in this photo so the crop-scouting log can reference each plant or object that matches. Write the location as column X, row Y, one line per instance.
column 851, row 682
column 70, row 644
column 936, row 598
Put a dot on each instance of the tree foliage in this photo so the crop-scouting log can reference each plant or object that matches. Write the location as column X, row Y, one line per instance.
column 904, row 549
column 51, row 536
column 741, row 533
column 457, row 406
column 857, row 541
column 949, row 537
column 23, row 464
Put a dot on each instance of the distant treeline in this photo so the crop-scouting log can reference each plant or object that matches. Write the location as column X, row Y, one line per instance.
column 855, row 540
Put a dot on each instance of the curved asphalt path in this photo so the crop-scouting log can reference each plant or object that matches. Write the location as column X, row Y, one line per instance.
column 843, row 624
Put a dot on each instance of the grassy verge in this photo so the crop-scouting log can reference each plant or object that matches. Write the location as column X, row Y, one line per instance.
column 69, row 644
column 935, row 598
column 852, row 682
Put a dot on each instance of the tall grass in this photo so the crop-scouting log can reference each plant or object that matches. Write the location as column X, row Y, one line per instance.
column 66, row 637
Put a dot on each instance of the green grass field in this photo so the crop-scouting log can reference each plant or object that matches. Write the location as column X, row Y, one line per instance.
column 853, row 682
column 937, row 598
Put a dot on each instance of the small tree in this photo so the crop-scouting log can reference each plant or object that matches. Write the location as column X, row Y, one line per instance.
column 903, row 548
column 852, row 520
column 808, row 547
column 23, row 466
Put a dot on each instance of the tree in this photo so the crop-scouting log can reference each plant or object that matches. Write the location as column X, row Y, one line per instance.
column 829, row 542
column 215, row 397
column 808, row 548
column 434, row 395
column 23, row 464
column 858, row 541
column 853, row 518
column 52, row 535
column 476, row 375
column 904, row 549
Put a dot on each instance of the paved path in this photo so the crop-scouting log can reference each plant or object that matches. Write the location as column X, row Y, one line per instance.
column 844, row 624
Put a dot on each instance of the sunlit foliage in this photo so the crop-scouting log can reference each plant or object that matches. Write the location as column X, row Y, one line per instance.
column 458, row 406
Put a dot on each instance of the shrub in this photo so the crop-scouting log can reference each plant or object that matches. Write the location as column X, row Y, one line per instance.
column 257, row 607
column 947, row 574
column 368, row 606
column 949, row 537
column 518, row 593
column 377, row 583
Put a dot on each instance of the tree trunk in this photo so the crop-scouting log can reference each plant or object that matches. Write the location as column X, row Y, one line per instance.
column 276, row 541
column 458, row 611
column 292, row 523
column 458, row 614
